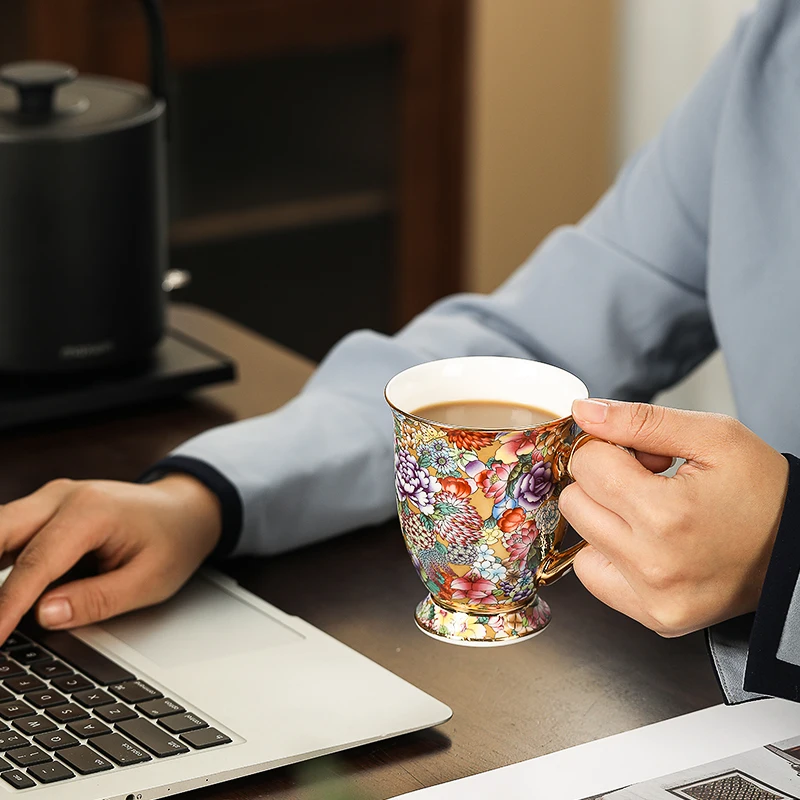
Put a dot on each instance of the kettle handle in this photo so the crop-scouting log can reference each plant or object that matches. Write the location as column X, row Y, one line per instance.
column 158, row 48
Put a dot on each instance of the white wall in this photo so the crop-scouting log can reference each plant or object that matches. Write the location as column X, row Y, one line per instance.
column 665, row 45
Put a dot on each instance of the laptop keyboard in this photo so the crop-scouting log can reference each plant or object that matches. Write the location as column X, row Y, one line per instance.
column 67, row 710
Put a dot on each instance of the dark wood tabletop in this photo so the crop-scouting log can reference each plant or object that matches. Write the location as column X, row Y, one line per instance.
column 592, row 673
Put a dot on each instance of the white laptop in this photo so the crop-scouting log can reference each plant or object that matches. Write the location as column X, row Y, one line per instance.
column 213, row 685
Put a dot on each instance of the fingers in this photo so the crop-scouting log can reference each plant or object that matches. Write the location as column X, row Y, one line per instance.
column 603, row 529
column 98, row 598
column 23, row 518
column 654, row 429
column 602, row 579
column 53, row 551
column 654, row 464
column 615, row 480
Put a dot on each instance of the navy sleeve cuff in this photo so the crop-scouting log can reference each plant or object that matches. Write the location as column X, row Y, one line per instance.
column 215, row 481
column 766, row 672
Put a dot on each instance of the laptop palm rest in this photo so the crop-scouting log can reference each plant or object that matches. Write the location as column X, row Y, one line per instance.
column 202, row 622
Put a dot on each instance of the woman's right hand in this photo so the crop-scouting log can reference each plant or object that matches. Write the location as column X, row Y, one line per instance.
column 148, row 539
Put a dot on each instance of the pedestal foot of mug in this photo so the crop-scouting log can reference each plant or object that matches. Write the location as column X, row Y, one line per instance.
column 482, row 629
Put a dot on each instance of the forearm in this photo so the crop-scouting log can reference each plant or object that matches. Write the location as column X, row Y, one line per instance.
column 322, row 464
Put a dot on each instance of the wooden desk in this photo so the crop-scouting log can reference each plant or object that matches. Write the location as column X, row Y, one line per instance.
column 591, row 674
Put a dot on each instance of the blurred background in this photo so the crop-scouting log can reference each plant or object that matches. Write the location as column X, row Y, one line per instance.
column 336, row 164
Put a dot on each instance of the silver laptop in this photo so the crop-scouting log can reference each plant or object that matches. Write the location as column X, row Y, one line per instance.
column 213, row 685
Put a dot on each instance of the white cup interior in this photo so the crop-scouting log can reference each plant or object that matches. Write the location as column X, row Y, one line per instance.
column 487, row 378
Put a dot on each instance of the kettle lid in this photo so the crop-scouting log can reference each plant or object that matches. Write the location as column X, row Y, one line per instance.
column 49, row 100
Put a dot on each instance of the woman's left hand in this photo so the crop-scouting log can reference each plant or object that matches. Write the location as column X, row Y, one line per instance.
column 675, row 553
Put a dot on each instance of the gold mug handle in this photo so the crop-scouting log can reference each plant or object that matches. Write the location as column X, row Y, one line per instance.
column 559, row 562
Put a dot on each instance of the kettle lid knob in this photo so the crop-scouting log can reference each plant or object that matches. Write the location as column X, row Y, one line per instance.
column 36, row 82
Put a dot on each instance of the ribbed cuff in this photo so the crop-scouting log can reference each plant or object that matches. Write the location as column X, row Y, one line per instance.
column 216, row 482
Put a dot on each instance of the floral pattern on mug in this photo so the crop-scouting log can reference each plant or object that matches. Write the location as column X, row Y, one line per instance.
column 479, row 512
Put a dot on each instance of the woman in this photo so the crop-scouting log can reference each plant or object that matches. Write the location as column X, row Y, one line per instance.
column 695, row 246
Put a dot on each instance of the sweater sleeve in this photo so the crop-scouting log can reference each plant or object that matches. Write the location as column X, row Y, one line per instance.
column 619, row 300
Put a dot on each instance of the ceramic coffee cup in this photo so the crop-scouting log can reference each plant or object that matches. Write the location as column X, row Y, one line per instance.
column 479, row 507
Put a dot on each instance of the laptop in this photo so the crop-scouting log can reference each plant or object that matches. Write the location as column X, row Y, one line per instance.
column 212, row 685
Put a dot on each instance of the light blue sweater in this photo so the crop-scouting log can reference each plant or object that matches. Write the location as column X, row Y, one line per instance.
column 696, row 246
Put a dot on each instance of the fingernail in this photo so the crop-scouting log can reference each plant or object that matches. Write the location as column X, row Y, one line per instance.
column 55, row 612
column 590, row 410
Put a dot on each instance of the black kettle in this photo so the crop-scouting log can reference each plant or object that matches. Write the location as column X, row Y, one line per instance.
column 83, row 214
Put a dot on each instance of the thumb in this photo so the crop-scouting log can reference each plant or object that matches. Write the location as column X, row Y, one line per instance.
column 650, row 429
column 98, row 598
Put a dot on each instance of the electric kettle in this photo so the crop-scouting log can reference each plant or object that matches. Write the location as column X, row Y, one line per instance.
column 83, row 214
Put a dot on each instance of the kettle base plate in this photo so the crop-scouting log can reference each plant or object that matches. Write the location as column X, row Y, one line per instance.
column 179, row 365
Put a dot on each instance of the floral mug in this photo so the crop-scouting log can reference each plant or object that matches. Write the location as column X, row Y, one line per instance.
column 478, row 508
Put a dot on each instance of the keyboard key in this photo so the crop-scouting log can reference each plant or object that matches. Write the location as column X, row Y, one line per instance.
column 57, row 740
column 30, row 655
column 10, row 740
column 115, row 713
column 15, row 710
column 160, row 708
column 72, row 683
column 50, row 773
column 100, row 669
column 46, row 699
column 24, row 683
column 180, row 723
column 28, row 756
column 207, row 737
column 15, row 640
column 52, row 669
column 38, row 724
column 91, row 698
column 5, row 695
column 157, row 741
column 4, row 765
column 84, row 760
column 9, row 669
column 120, row 750
column 67, row 713
column 19, row 780
column 134, row 691
column 88, row 728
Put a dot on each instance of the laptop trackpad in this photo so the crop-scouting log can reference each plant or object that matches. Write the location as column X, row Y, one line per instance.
column 201, row 623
